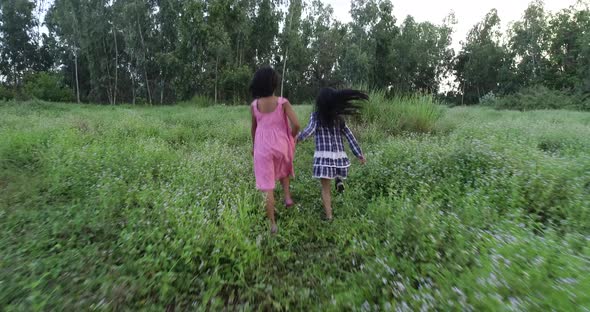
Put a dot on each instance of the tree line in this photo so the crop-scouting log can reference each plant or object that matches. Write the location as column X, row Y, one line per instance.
column 165, row 51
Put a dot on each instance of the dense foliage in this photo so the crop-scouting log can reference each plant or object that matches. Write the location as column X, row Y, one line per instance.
column 134, row 208
column 144, row 51
column 538, row 97
column 550, row 50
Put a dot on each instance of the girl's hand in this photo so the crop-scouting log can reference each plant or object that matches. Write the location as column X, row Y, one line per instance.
column 363, row 160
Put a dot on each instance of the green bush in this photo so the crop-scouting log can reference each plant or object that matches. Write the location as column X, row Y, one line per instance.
column 234, row 82
column 539, row 97
column 5, row 93
column 48, row 87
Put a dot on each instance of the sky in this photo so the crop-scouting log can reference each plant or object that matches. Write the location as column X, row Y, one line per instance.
column 468, row 13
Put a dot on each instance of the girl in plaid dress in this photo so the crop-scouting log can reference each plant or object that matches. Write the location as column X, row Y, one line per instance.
column 330, row 161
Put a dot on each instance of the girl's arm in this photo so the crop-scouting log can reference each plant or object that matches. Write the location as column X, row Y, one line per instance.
column 295, row 126
column 254, row 125
column 309, row 130
column 354, row 145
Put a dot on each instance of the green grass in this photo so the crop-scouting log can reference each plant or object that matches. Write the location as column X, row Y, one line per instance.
column 126, row 208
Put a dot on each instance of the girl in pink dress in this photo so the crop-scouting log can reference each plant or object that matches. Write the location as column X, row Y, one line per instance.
column 272, row 138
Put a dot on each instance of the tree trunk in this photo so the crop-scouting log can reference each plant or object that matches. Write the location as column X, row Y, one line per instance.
column 116, row 66
column 284, row 68
column 238, row 50
column 109, row 82
column 286, row 52
column 77, row 80
column 161, row 89
column 14, row 76
column 463, row 95
column 147, row 82
column 132, row 85
column 216, row 64
column 40, row 6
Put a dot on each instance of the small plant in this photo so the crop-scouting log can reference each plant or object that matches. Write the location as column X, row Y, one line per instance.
column 488, row 100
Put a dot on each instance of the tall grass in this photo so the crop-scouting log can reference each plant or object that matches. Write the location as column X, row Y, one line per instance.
column 402, row 114
column 198, row 101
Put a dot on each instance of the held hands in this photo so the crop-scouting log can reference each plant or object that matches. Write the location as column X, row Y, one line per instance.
column 362, row 160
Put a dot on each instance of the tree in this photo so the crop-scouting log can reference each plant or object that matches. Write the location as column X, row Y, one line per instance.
column 325, row 44
column 529, row 44
column 63, row 24
column 358, row 61
column 18, row 44
column 384, row 33
column 421, row 56
column 265, row 31
column 569, row 50
column 191, row 49
column 480, row 65
column 289, row 37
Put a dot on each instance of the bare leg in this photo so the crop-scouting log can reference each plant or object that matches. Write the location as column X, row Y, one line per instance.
column 270, row 210
column 288, row 200
column 327, row 197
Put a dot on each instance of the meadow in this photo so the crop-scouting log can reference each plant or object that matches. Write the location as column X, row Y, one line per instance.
column 154, row 208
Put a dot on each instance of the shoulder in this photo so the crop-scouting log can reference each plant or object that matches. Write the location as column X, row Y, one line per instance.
column 253, row 107
column 284, row 101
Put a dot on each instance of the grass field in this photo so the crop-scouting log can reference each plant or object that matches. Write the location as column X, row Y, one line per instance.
column 125, row 208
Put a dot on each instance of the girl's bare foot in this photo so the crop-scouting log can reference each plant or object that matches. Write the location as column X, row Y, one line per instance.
column 289, row 203
column 274, row 229
column 329, row 216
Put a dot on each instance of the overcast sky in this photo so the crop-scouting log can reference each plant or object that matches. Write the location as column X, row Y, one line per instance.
column 468, row 13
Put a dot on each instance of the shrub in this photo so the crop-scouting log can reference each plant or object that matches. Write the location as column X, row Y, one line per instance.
column 540, row 97
column 488, row 99
column 234, row 84
column 5, row 94
column 48, row 87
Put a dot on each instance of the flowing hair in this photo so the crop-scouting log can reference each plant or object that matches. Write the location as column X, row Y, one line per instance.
column 331, row 104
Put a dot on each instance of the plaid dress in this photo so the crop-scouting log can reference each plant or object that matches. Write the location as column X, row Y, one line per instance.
column 330, row 160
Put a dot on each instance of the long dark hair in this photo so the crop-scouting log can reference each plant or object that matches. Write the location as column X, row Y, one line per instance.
column 265, row 82
column 331, row 104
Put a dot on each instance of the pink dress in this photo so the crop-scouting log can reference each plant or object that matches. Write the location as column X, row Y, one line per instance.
column 273, row 147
